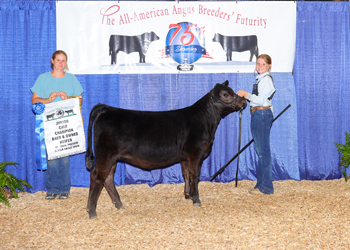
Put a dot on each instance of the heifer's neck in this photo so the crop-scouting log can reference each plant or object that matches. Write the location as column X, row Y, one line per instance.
column 206, row 108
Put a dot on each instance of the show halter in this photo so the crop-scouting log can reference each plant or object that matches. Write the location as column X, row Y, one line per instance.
column 230, row 104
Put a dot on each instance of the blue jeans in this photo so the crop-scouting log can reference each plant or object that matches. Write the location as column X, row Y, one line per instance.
column 261, row 122
column 57, row 178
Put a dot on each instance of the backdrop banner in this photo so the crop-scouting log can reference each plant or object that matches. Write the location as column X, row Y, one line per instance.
column 149, row 37
column 64, row 130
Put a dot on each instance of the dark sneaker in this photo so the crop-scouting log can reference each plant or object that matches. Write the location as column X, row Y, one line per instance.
column 50, row 196
column 63, row 196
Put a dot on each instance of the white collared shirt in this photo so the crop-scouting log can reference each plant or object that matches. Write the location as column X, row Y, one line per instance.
column 265, row 90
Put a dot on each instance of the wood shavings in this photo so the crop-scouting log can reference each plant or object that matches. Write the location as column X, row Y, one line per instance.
column 300, row 215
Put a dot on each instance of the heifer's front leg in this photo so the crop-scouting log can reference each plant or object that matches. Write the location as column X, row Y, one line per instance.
column 194, row 190
column 186, row 175
column 195, row 171
column 110, row 187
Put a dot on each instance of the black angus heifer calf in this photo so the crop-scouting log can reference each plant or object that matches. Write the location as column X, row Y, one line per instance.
column 239, row 44
column 155, row 139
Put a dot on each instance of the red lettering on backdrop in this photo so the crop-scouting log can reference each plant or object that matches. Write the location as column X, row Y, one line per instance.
column 214, row 13
column 109, row 12
column 190, row 33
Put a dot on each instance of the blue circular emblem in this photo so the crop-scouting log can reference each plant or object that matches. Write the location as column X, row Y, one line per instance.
column 185, row 43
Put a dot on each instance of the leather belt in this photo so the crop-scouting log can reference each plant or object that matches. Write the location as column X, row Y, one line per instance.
column 253, row 109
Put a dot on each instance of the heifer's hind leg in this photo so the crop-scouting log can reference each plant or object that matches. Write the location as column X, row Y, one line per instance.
column 186, row 175
column 97, row 179
column 110, row 187
column 96, row 183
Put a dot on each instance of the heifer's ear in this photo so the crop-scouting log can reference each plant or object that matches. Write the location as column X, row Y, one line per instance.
column 225, row 83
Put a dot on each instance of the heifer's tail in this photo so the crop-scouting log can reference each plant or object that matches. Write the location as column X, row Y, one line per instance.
column 89, row 156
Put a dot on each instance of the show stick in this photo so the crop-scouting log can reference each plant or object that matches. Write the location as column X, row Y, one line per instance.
column 244, row 148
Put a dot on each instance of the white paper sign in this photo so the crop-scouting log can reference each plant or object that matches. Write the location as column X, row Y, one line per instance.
column 150, row 37
column 64, row 130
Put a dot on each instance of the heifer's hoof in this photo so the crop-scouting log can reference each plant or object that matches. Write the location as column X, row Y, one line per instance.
column 187, row 197
column 118, row 205
column 197, row 204
column 92, row 215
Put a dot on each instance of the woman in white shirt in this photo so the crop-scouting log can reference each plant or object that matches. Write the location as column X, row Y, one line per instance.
column 261, row 122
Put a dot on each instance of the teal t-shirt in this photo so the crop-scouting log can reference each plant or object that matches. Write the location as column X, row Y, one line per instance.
column 46, row 84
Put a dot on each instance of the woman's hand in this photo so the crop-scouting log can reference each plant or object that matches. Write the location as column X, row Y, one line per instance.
column 52, row 96
column 63, row 95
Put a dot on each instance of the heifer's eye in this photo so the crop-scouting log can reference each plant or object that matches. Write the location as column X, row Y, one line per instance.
column 225, row 95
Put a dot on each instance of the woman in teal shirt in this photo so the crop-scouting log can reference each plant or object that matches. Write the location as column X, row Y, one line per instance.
column 53, row 86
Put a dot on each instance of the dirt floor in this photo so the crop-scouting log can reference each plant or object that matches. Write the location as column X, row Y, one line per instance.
column 300, row 215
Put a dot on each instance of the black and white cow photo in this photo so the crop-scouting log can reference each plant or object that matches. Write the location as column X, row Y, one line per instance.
column 130, row 44
column 238, row 44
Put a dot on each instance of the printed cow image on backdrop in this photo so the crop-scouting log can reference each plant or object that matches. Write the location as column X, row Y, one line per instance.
column 130, row 44
column 151, row 140
column 238, row 44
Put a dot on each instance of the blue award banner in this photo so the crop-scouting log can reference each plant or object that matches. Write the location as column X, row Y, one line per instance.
column 151, row 37
column 40, row 150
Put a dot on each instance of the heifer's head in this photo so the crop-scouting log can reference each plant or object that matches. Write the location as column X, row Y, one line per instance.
column 225, row 100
